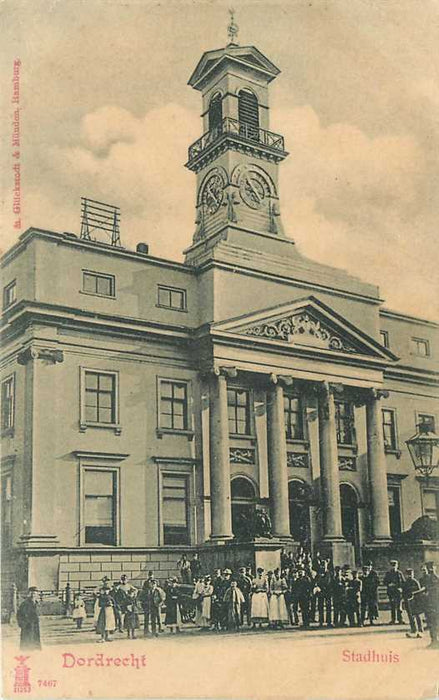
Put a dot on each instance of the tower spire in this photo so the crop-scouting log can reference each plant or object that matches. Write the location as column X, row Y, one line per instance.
column 232, row 29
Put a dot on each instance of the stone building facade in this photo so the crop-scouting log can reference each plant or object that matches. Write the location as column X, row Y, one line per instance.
column 150, row 407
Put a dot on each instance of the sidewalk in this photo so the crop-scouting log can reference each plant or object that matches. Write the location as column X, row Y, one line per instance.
column 58, row 630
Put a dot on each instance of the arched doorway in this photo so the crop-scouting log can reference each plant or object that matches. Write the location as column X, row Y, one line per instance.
column 243, row 506
column 216, row 112
column 299, row 498
column 349, row 516
column 248, row 114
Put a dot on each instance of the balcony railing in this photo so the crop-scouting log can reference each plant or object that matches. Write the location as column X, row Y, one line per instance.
column 232, row 127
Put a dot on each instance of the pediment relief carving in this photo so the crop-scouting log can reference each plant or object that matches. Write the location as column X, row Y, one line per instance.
column 302, row 328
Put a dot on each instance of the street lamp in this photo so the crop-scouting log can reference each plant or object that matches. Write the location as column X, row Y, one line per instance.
column 424, row 451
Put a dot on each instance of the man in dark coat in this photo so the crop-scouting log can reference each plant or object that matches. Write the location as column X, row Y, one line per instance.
column 411, row 591
column 27, row 619
column 151, row 598
column 431, row 583
column 323, row 592
column 369, row 594
column 245, row 586
column 394, row 581
column 303, row 588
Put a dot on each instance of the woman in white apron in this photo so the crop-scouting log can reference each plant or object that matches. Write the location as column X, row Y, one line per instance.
column 259, row 599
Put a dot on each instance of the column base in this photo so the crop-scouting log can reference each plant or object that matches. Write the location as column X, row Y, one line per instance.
column 338, row 550
column 219, row 539
column 380, row 542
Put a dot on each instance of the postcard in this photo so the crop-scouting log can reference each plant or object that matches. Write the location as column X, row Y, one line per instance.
column 219, row 374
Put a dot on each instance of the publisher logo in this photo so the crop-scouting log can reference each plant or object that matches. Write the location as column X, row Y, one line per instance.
column 21, row 680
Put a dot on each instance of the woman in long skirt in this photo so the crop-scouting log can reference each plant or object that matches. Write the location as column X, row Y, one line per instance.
column 173, row 616
column 259, row 599
column 106, row 623
column 131, row 617
column 197, row 596
column 277, row 613
column 206, row 603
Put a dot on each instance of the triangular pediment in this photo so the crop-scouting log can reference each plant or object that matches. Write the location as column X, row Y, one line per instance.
column 306, row 324
column 241, row 54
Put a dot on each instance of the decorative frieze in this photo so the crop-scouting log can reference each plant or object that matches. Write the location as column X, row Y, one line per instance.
column 301, row 325
column 347, row 464
column 242, row 455
column 298, row 459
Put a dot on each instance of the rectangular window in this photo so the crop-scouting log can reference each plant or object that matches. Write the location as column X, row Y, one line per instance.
column 420, row 347
column 238, row 405
column 389, row 429
column 100, row 500
column 427, row 419
column 98, row 284
column 385, row 338
column 394, row 500
column 9, row 294
column 100, row 397
column 172, row 298
column 173, row 405
column 7, row 510
column 431, row 503
column 293, row 416
column 175, row 509
column 345, row 424
column 8, row 403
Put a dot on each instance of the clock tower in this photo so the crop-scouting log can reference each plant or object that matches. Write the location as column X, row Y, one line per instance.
column 236, row 159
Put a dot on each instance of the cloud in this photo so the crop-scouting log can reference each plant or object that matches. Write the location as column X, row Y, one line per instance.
column 348, row 199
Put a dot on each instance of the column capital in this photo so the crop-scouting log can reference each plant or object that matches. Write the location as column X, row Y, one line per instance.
column 50, row 355
column 375, row 394
column 284, row 380
column 326, row 389
column 225, row 371
column 212, row 372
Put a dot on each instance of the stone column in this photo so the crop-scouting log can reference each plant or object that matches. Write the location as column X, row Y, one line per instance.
column 377, row 468
column 332, row 528
column 221, row 505
column 277, row 461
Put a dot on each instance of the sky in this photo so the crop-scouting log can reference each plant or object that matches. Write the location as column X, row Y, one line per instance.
column 106, row 112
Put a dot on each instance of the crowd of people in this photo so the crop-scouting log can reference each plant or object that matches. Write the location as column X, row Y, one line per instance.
column 304, row 591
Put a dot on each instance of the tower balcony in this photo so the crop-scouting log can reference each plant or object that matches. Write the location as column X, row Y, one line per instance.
column 231, row 133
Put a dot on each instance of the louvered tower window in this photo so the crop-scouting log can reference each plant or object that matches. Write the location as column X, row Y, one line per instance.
column 216, row 112
column 248, row 114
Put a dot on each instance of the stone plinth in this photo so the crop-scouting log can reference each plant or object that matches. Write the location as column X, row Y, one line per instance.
column 339, row 551
column 261, row 551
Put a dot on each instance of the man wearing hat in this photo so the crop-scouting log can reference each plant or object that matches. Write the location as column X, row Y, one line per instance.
column 27, row 619
column 431, row 584
column 412, row 596
column 394, row 581
column 245, row 586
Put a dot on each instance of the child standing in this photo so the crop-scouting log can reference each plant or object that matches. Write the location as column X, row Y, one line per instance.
column 79, row 613
column 131, row 618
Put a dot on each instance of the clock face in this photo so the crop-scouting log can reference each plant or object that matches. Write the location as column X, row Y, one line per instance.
column 253, row 189
column 213, row 193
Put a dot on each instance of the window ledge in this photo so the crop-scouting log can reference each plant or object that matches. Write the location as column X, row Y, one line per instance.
column 238, row 436
column 101, row 296
column 116, row 427
column 297, row 441
column 171, row 308
column 347, row 446
column 392, row 451
column 174, row 431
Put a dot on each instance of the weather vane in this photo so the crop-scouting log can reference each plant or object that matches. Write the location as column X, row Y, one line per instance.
column 232, row 29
